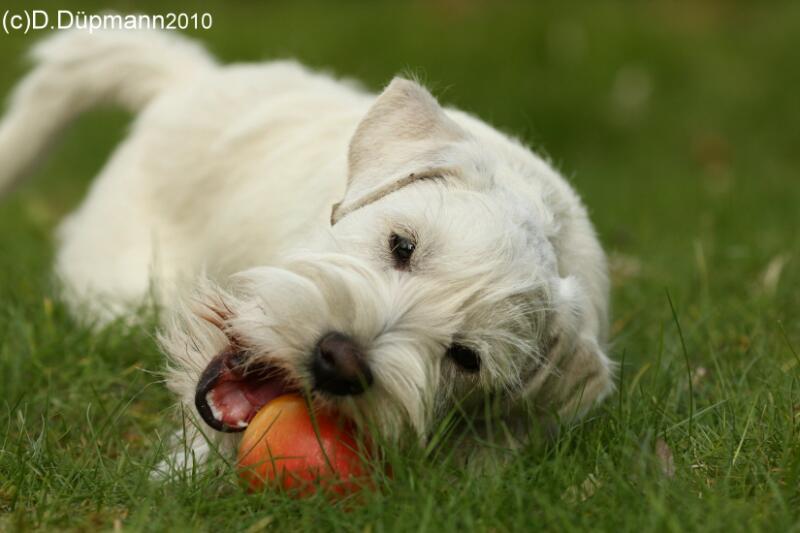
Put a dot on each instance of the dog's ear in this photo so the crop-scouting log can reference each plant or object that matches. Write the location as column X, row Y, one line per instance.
column 401, row 139
column 575, row 373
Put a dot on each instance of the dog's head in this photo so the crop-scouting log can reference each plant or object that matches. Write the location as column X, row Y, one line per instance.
column 437, row 283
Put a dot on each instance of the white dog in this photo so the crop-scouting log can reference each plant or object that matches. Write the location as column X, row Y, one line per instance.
column 393, row 258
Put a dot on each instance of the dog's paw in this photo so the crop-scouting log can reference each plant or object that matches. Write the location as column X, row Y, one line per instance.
column 187, row 453
column 577, row 376
column 190, row 452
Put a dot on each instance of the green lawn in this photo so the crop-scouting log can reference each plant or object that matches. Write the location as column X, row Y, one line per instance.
column 678, row 123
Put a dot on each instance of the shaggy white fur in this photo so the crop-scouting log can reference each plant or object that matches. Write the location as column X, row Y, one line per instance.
column 296, row 184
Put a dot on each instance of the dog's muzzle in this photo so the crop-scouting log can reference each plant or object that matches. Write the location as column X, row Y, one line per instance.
column 230, row 391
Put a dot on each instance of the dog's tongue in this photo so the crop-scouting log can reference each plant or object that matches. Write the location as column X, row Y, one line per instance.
column 228, row 398
column 235, row 402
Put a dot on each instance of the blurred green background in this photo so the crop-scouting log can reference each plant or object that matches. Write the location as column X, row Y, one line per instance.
column 677, row 122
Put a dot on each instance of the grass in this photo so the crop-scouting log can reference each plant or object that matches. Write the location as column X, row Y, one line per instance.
column 677, row 123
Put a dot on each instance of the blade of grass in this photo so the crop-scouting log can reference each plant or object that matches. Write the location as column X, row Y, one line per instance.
column 688, row 365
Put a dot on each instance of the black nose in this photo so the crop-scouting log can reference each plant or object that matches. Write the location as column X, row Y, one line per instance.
column 339, row 366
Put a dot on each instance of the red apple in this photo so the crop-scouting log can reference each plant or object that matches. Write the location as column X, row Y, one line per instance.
column 282, row 448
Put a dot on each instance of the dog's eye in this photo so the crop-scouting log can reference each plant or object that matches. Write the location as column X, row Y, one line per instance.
column 402, row 249
column 467, row 359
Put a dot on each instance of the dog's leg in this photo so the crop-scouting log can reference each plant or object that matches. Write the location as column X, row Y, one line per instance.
column 105, row 275
column 108, row 259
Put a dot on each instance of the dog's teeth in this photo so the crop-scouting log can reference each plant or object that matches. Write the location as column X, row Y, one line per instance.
column 214, row 410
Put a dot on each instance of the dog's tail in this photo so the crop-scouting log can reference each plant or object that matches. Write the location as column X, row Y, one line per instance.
column 76, row 70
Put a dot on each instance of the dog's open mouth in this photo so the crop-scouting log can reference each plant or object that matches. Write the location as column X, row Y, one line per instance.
column 230, row 393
